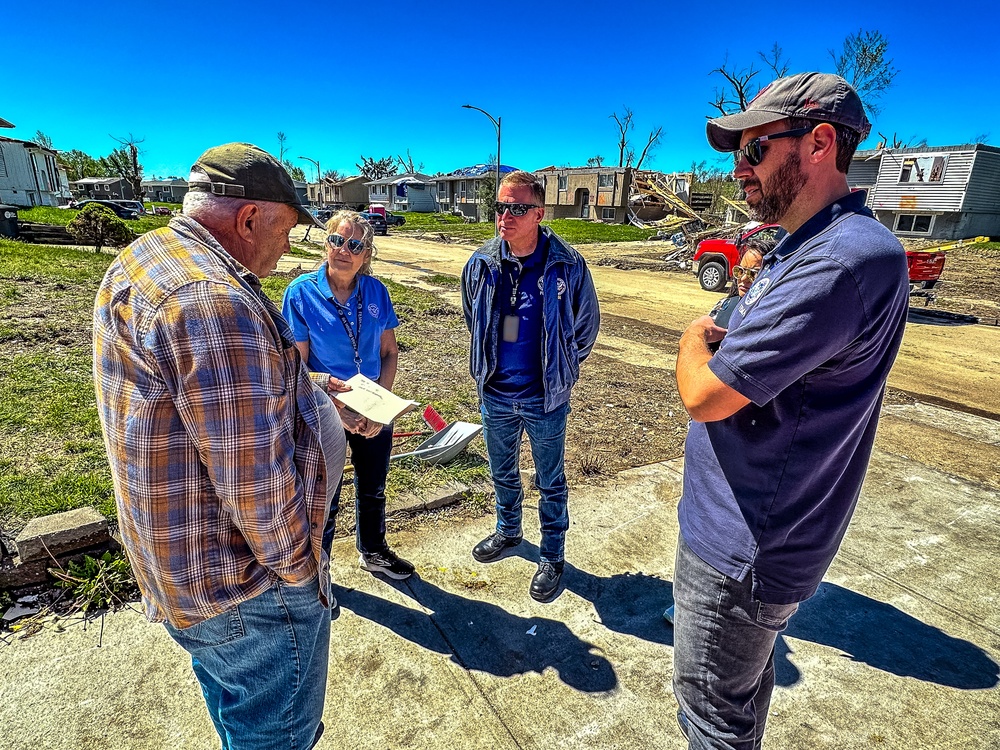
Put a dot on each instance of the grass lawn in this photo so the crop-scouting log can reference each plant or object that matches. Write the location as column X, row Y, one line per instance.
column 52, row 455
column 63, row 216
column 574, row 231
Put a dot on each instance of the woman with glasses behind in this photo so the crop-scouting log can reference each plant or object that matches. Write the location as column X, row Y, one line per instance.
column 743, row 277
column 343, row 323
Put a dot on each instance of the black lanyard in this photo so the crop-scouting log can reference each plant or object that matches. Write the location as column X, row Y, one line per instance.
column 515, row 282
column 354, row 337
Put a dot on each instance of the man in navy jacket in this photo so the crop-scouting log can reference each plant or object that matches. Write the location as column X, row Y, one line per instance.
column 530, row 304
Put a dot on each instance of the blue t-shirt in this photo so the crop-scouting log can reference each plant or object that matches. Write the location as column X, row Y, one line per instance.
column 519, row 363
column 311, row 310
column 770, row 490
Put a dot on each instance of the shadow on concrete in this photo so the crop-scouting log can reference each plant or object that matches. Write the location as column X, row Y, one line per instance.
column 484, row 637
column 878, row 634
column 934, row 317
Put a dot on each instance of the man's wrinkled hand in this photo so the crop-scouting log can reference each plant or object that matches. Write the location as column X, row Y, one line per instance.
column 705, row 328
column 336, row 385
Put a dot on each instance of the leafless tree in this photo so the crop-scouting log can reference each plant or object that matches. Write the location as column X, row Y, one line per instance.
column 624, row 123
column 626, row 154
column 124, row 161
column 773, row 60
column 897, row 142
column 407, row 164
column 863, row 63
column 42, row 140
column 739, row 89
column 981, row 138
column 376, row 169
column 282, row 146
column 333, row 175
column 595, row 161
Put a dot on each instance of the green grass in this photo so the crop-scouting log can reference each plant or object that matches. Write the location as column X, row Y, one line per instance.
column 52, row 455
column 63, row 216
column 574, row 231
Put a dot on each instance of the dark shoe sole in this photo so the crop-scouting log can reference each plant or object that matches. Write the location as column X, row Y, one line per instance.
column 373, row 568
column 497, row 556
column 546, row 598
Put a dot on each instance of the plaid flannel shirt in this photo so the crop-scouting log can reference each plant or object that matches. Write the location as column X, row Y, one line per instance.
column 211, row 427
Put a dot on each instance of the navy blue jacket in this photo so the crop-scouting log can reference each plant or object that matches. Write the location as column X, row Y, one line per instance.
column 571, row 316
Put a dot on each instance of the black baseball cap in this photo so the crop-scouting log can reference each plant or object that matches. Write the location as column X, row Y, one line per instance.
column 242, row 170
column 817, row 96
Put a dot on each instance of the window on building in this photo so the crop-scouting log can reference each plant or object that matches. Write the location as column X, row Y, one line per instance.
column 923, row 169
column 914, row 223
column 443, row 189
column 608, row 213
column 606, row 180
column 3, row 164
column 563, row 182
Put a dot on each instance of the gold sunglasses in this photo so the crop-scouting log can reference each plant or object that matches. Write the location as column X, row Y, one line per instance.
column 751, row 273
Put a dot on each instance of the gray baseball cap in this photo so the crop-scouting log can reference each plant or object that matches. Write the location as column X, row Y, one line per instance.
column 242, row 170
column 817, row 96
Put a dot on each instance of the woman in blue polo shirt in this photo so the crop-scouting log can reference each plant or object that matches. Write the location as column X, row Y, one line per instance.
column 343, row 323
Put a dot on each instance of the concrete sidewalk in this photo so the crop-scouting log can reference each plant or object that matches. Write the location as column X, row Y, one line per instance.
column 899, row 649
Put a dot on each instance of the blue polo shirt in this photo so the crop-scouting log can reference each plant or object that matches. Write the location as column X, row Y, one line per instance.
column 519, row 363
column 311, row 310
column 770, row 490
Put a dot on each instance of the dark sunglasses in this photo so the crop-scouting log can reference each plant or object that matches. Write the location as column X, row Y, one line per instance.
column 516, row 209
column 754, row 150
column 751, row 273
column 355, row 246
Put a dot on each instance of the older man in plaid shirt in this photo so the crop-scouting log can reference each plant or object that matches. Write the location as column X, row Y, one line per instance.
column 219, row 445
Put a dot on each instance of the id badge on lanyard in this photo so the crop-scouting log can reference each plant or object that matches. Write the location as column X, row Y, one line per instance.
column 512, row 322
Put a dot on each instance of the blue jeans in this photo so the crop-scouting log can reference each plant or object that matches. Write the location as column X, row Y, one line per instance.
column 504, row 422
column 370, row 457
column 262, row 666
column 723, row 654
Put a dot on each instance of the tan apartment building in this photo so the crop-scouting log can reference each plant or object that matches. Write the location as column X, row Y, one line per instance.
column 350, row 192
column 600, row 193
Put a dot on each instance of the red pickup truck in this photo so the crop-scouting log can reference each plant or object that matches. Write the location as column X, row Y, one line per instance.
column 714, row 260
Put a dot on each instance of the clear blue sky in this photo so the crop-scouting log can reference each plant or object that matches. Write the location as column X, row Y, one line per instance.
column 341, row 80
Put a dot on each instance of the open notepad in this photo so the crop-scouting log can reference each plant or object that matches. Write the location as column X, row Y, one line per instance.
column 371, row 400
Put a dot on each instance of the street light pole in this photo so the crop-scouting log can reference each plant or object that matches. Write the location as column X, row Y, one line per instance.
column 496, row 124
column 319, row 179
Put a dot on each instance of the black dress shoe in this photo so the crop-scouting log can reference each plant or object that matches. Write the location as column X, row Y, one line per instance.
column 545, row 583
column 493, row 546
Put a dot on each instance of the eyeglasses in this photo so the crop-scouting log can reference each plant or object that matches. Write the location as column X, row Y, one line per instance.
column 739, row 272
column 754, row 151
column 355, row 246
column 516, row 209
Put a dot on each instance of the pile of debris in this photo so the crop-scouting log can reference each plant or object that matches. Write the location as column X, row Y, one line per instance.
column 653, row 200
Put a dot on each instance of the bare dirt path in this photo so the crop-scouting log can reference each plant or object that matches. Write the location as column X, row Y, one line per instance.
column 957, row 366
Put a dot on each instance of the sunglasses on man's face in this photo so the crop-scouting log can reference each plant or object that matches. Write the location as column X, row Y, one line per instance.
column 754, row 150
column 516, row 209
column 355, row 246
column 739, row 272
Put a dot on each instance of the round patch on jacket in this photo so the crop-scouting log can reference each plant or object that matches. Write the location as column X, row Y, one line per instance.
column 373, row 309
column 756, row 291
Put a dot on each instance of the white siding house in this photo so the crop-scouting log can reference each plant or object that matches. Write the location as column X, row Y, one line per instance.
column 948, row 193
column 30, row 175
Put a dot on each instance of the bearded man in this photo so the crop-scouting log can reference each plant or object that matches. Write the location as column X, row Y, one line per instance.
column 784, row 413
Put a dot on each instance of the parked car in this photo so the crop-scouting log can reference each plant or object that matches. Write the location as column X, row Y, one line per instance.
column 714, row 260
column 136, row 206
column 378, row 223
column 120, row 211
column 394, row 220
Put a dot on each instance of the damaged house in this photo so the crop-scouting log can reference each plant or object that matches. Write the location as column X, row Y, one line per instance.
column 947, row 192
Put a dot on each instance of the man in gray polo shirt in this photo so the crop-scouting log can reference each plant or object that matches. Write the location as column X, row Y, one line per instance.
column 784, row 413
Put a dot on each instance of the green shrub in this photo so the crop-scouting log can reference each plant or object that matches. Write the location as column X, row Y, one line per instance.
column 97, row 225
column 100, row 582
